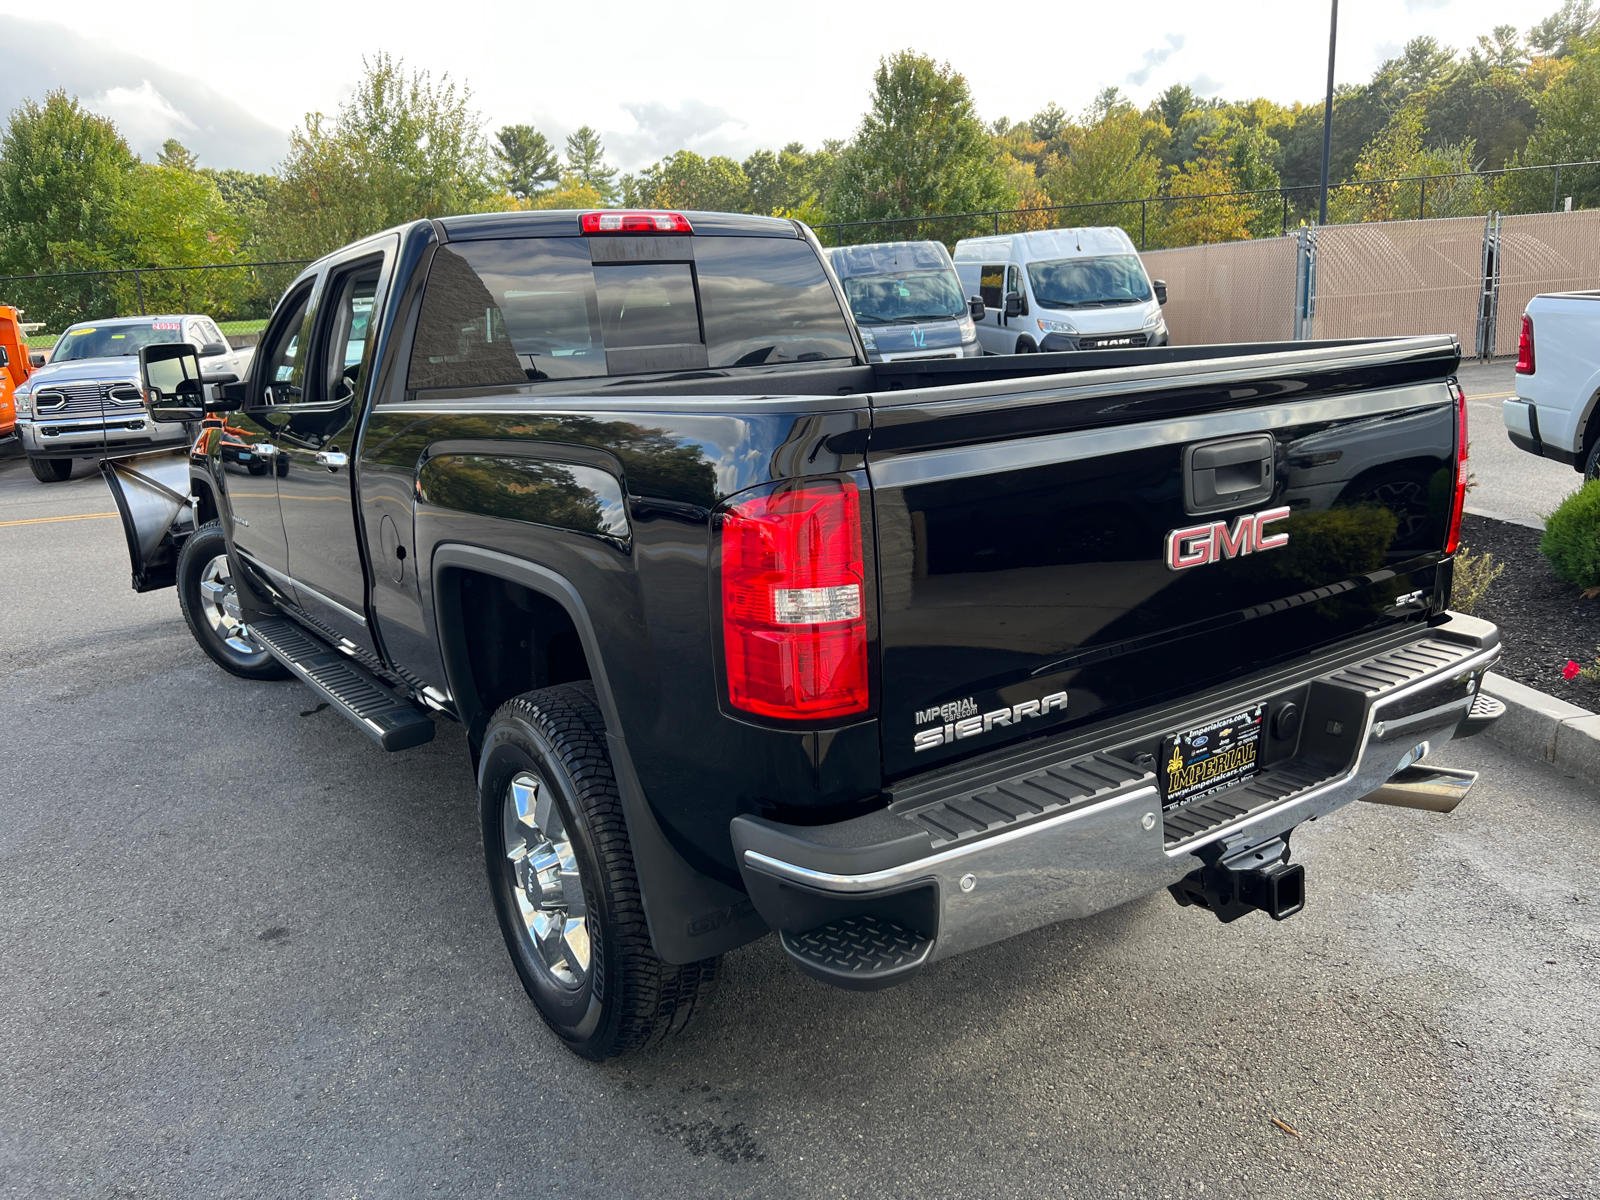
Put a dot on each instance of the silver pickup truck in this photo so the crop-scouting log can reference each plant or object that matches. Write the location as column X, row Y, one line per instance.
column 86, row 400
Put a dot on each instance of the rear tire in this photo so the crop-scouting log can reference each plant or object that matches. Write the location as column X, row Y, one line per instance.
column 565, row 888
column 1591, row 469
column 205, row 589
column 50, row 470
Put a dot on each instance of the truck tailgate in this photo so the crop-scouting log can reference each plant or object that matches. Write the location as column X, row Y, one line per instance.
column 1059, row 551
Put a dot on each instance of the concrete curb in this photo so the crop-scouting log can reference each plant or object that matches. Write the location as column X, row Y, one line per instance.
column 1542, row 727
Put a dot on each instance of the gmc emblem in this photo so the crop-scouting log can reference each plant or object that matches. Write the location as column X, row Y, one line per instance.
column 1213, row 542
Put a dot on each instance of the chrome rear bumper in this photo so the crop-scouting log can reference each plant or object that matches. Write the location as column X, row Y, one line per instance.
column 1076, row 836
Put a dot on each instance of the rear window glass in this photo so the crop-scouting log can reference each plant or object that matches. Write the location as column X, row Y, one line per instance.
column 532, row 309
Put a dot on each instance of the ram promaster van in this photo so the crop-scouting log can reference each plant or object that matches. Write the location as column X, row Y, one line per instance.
column 1062, row 289
column 907, row 301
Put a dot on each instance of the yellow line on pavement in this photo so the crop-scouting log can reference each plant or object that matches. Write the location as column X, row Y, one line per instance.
column 47, row 520
column 1491, row 396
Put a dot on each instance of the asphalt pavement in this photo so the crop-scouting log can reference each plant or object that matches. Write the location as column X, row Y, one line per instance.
column 248, row 954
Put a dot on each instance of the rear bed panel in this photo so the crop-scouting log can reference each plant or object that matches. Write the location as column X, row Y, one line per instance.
column 1025, row 585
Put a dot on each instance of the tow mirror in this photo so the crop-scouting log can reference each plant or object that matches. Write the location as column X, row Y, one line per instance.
column 1160, row 286
column 36, row 358
column 5, row 357
column 976, row 307
column 212, row 349
column 1013, row 304
column 173, row 389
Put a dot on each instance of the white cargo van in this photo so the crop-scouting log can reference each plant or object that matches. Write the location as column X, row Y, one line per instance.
column 1062, row 289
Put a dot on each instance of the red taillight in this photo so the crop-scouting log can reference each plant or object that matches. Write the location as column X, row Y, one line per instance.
column 794, row 629
column 1525, row 347
column 1454, row 539
column 638, row 221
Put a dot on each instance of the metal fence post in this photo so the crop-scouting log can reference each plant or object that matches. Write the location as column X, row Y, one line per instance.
column 1284, row 228
column 1144, row 212
column 1555, row 192
column 1422, row 196
column 997, row 224
column 1489, row 296
column 1305, row 282
column 139, row 287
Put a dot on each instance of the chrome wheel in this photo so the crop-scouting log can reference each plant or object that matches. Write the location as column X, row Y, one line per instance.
column 219, row 602
column 545, row 882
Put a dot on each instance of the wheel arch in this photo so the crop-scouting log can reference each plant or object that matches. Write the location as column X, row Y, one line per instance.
column 691, row 916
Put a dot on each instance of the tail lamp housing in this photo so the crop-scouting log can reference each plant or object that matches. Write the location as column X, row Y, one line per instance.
column 1460, row 500
column 792, row 577
column 1525, row 347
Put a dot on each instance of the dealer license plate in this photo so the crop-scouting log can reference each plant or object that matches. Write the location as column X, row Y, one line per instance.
column 1212, row 757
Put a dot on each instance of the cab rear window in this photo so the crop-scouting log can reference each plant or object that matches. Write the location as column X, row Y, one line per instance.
column 498, row 313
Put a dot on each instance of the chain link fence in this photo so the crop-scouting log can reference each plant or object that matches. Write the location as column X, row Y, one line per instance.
column 1230, row 292
column 1400, row 277
column 1171, row 221
column 1547, row 252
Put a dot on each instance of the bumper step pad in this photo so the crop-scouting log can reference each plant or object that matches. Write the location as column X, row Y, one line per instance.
column 862, row 953
column 394, row 723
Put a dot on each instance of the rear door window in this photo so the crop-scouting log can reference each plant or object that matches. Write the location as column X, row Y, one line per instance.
column 534, row 309
column 767, row 301
column 992, row 286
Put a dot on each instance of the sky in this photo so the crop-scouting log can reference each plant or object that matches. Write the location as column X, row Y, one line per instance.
column 229, row 81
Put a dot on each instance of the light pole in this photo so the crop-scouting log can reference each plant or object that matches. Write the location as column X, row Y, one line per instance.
column 1327, row 115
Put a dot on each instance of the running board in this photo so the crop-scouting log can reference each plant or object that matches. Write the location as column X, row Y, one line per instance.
column 394, row 723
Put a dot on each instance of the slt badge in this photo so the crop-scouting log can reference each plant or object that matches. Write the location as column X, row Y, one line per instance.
column 1200, row 544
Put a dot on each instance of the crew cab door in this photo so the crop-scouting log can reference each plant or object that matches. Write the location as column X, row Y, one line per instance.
column 316, row 449
column 246, row 446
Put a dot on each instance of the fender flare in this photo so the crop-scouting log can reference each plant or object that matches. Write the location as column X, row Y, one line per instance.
column 691, row 916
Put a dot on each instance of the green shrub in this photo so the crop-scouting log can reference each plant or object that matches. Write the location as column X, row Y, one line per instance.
column 1572, row 537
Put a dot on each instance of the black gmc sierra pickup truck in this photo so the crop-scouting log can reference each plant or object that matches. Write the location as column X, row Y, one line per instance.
column 749, row 634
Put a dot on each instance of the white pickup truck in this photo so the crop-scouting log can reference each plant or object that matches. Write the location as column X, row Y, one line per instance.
column 1554, row 413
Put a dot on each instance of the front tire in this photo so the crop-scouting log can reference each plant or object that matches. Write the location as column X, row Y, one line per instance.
column 1025, row 346
column 565, row 888
column 209, row 600
column 1591, row 469
column 50, row 470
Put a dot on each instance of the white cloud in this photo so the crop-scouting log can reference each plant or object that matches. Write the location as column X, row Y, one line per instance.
column 145, row 117
column 1155, row 58
column 1416, row 6
column 659, row 129
column 1203, row 85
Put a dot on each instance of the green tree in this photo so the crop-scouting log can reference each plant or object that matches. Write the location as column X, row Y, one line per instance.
column 1110, row 160
column 586, row 159
column 1559, row 34
column 1568, row 131
column 920, row 150
column 173, row 216
column 63, row 171
column 527, row 163
column 1174, row 103
column 176, row 155
column 788, row 181
column 686, row 181
column 402, row 148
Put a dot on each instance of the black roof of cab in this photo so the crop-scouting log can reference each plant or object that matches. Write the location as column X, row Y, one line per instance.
column 474, row 227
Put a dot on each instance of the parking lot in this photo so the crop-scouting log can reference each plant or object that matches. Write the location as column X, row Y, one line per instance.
column 246, row 953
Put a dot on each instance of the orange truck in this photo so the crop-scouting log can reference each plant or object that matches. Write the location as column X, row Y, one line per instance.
column 15, row 366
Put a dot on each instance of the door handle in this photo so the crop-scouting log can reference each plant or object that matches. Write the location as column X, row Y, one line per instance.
column 332, row 459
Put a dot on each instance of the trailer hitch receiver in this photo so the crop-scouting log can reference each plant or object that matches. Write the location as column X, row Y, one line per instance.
column 1242, row 879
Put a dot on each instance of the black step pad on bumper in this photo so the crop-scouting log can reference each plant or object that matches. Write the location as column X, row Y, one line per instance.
column 386, row 718
column 861, row 953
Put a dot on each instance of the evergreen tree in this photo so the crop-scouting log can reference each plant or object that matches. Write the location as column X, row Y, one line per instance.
column 527, row 163
column 586, row 161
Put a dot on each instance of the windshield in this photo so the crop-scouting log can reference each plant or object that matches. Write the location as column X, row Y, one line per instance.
column 112, row 341
column 1089, row 282
column 906, row 296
